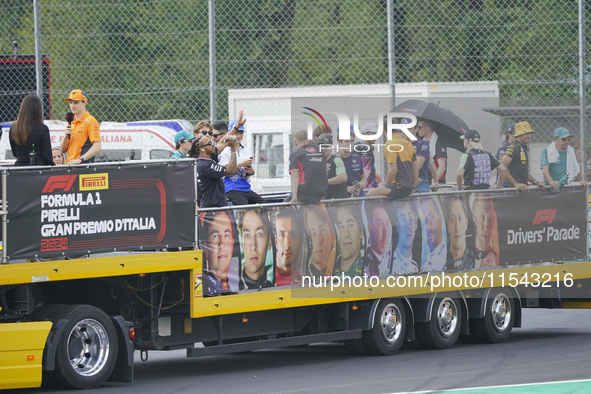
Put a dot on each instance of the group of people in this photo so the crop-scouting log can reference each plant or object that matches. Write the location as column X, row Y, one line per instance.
column 224, row 165
column 412, row 164
column 30, row 141
column 558, row 162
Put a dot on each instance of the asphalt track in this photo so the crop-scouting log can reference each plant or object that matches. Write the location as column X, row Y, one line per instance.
column 552, row 346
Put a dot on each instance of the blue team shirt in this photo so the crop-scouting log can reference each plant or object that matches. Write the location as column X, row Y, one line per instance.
column 422, row 149
column 354, row 168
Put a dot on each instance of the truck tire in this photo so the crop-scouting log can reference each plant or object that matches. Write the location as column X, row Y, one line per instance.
column 389, row 329
column 499, row 316
column 443, row 329
column 87, row 349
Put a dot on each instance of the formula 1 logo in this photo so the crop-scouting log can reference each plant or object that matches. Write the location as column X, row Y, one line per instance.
column 63, row 182
column 544, row 215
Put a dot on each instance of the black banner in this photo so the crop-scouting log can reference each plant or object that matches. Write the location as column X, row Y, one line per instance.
column 61, row 212
column 264, row 247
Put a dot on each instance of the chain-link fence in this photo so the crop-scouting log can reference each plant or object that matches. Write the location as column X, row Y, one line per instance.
column 149, row 59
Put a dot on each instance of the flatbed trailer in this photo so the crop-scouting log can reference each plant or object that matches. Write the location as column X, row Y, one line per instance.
column 76, row 316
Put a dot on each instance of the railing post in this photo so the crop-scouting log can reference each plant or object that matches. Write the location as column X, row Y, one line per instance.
column 212, row 70
column 4, row 218
column 38, row 56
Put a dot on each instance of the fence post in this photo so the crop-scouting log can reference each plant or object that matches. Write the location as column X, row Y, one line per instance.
column 4, row 219
column 391, row 55
column 212, row 74
column 582, row 87
column 38, row 56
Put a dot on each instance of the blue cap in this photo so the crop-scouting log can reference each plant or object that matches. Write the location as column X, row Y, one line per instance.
column 234, row 123
column 511, row 128
column 183, row 135
column 562, row 132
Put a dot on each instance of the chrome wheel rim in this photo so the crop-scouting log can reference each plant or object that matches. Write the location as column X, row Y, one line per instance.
column 447, row 317
column 88, row 347
column 501, row 312
column 391, row 323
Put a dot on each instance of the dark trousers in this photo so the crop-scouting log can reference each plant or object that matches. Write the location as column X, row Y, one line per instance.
column 244, row 198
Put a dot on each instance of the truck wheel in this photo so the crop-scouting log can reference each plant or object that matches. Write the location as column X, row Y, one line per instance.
column 389, row 328
column 87, row 349
column 497, row 323
column 442, row 331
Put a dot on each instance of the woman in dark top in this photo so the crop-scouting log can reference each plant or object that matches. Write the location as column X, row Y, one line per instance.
column 29, row 137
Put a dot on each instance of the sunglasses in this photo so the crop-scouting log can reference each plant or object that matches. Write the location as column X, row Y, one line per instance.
column 204, row 145
column 565, row 139
column 422, row 127
column 205, row 132
column 217, row 135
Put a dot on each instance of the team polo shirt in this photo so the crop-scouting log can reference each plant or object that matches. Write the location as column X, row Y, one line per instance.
column 368, row 161
column 519, row 166
column 400, row 151
column 335, row 167
column 85, row 131
column 353, row 167
column 501, row 152
column 478, row 165
column 313, row 180
column 211, row 187
column 499, row 156
column 557, row 170
column 422, row 149
column 439, row 152
column 177, row 155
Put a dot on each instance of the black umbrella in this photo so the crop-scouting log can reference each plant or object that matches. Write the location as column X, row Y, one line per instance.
column 448, row 125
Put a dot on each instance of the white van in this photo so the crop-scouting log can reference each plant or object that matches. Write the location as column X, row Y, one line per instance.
column 143, row 140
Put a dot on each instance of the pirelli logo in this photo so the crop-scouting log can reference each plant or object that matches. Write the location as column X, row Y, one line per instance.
column 94, row 182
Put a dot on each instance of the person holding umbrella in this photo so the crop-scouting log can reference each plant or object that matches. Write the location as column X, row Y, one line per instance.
column 440, row 127
column 437, row 148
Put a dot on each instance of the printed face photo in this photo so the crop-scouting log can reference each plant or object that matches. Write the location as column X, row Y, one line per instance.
column 457, row 225
column 322, row 236
column 350, row 234
column 220, row 245
column 483, row 220
column 255, row 244
column 288, row 242
column 433, row 222
column 406, row 225
column 380, row 229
